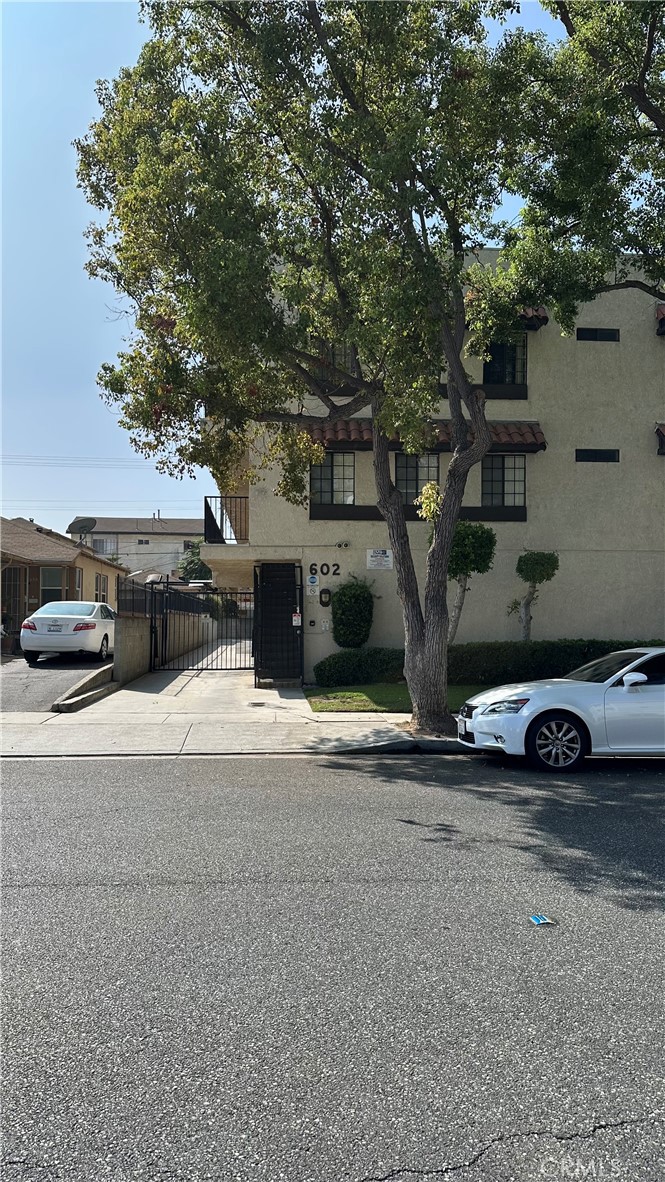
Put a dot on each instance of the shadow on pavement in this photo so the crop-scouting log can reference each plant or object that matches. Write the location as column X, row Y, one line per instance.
column 600, row 830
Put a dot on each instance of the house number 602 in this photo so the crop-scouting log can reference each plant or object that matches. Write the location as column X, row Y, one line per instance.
column 323, row 569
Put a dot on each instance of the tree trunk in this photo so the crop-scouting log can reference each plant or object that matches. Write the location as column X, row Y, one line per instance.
column 525, row 611
column 462, row 588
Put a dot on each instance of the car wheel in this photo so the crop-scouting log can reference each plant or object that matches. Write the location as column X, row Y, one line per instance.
column 556, row 742
column 31, row 658
column 104, row 649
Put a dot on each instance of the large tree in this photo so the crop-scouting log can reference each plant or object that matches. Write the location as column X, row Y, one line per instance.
column 593, row 174
column 279, row 177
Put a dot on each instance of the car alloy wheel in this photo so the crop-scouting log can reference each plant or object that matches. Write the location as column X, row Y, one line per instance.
column 104, row 649
column 556, row 743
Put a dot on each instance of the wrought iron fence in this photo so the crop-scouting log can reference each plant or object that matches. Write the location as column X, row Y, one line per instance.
column 134, row 599
column 226, row 520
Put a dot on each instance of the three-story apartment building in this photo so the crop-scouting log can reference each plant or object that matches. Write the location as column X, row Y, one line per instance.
column 577, row 465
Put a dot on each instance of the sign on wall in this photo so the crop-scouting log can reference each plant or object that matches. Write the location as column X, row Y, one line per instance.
column 379, row 560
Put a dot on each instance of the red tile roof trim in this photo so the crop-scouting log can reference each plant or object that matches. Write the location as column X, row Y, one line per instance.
column 356, row 435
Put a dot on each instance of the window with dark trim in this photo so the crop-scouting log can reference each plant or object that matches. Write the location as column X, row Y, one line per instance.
column 504, row 480
column 333, row 481
column 598, row 334
column 597, row 455
column 507, row 363
column 412, row 472
column 144, row 541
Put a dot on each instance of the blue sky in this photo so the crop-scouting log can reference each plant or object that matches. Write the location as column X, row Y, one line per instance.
column 59, row 325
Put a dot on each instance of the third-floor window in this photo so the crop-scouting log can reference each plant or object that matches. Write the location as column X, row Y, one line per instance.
column 507, row 364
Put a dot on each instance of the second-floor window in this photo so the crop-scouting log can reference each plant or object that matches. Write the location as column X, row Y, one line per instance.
column 333, row 481
column 504, row 480
column 507, row 364
column 144, row 541
column 412, row 472
column 104, row 545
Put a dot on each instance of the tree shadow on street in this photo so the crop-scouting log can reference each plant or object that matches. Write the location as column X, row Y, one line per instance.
column 600, row 830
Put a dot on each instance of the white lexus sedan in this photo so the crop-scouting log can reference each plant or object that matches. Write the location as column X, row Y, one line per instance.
column 612, row 706
column 68, row 626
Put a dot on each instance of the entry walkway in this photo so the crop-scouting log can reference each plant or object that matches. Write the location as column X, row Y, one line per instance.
column 218, row 656
column 201, row 713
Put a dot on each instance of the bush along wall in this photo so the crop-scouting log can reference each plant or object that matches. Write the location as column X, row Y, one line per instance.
column 479, row 663
column 352, row 613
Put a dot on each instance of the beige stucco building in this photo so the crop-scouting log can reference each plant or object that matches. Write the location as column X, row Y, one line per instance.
column 577, row 466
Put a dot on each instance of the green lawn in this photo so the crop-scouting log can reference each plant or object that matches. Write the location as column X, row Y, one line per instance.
column 381, row 697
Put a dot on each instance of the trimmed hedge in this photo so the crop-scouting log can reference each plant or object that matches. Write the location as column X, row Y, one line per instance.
column 360, row 666
column 481, row 663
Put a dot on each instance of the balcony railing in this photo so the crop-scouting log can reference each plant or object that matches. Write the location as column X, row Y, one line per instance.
column 226, row 520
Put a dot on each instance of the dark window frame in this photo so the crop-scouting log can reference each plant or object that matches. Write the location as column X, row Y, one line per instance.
column 508, row 363
column 597, row 455
column 335, row 469
column 605, row 335
column 408, row 479
column 496, row 481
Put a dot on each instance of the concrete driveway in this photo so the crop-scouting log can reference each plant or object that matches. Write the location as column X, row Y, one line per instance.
column 35, row 689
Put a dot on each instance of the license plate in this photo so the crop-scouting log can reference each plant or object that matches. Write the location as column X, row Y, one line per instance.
column 461, row 729
column 54, row 628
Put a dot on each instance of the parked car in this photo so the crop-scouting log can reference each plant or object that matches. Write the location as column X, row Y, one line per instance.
column 68, row 626
column 612, row 706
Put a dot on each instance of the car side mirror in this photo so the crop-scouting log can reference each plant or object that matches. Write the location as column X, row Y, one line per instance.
column 634, row 679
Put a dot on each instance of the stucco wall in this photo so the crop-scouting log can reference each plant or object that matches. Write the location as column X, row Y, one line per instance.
column 132, row 642
column 606, row 520
column 131, row 657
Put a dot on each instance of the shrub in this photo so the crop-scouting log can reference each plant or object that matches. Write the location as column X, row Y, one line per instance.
column 352, row 612
column 230, row 608
column 497, row 662
column 480, row 663
column 360, row 667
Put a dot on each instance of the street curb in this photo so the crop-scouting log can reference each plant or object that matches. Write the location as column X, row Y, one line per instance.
column 70, row 705
column 98, row 677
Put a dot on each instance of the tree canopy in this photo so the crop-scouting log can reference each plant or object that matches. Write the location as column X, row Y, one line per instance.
column 291, row 194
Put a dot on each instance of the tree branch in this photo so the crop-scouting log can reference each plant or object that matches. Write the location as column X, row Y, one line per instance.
column 633, row 90
column 653, row 289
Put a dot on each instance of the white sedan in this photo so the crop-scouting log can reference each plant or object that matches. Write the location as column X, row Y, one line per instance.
column 612, row 706
column 68, row 626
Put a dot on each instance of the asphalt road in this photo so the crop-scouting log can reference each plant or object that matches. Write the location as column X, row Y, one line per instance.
column 314, row 970
column 23, row 687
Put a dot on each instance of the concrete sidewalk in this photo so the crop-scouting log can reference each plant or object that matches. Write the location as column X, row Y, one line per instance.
column 205, row 713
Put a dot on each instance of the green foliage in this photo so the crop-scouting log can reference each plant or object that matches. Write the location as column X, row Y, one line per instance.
column 360, row 666
column 429, row 502
column 473, row 549
column 537, row 566
column 352, row 613
column 480, row 663
column 507, row 661
column 368, row 148
column 191, row 565
column 230, row 608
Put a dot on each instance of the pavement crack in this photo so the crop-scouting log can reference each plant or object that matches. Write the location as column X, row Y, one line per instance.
column 505, row 1139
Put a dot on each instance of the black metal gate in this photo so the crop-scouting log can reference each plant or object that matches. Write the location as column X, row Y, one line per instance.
column 201, row 629
column 278, row 634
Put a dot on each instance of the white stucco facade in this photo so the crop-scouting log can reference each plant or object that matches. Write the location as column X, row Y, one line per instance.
column 606, row 520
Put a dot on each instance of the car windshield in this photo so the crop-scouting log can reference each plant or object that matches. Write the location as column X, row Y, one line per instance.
column 72, row 608
column 604, row 668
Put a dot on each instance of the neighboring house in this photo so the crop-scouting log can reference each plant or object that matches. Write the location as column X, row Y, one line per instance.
column 150, row 545
column 577, row 465
column 40, row 565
